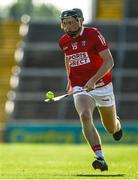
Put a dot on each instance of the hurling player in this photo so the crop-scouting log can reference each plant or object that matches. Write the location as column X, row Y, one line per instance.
column 88, row 62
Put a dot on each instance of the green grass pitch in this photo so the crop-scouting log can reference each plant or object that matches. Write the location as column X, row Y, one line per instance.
column 59, row 161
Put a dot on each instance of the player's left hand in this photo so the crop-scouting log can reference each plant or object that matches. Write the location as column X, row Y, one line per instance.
column 90, row 85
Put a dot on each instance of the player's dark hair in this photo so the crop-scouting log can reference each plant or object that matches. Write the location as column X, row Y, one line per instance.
column 69, row 13
column 76, row 13
column 79, row 12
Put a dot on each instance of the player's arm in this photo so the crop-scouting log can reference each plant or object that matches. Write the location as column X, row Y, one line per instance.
column 101, row 47
column 107, row 65
column 68, row 88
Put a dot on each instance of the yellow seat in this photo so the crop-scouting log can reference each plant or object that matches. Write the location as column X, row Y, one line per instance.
column 9, row 39
column 110, row 10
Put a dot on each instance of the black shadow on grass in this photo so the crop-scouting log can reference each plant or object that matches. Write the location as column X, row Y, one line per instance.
column 100, row 175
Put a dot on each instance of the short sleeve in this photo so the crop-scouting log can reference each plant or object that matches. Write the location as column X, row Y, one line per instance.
column 60, row 44
column 100, row 42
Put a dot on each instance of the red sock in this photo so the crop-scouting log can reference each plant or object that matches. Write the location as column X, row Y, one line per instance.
column 96, row 147
column 98, row 150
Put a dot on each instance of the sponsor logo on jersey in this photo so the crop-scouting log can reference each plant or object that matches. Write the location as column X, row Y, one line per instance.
column 78, row 59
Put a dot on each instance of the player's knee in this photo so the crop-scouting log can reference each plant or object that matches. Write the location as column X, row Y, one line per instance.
column 85, row 116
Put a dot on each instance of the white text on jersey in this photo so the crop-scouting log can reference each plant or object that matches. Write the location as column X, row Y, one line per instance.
column 78, row 59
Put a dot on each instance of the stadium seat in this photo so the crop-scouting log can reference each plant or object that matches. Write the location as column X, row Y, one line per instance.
column 132, row 10
column 128, row 85
column 43, row 58
column 128, row 110
column 9, row 38
column 41, row 83
column 35, row 110
column 132, row 31
column 46, row 32
column 131, row 59
column 108, row 26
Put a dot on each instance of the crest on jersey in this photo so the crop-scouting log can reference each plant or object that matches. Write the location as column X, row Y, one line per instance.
column 74, row 45
column 83, row 43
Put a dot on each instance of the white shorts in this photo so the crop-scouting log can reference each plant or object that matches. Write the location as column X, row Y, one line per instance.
column 103, row 96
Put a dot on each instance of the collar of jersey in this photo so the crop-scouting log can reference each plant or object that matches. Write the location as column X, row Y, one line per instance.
column 82, row 29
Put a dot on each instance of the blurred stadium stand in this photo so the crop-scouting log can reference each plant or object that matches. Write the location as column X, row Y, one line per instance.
column 41, row 68
column 9, row 37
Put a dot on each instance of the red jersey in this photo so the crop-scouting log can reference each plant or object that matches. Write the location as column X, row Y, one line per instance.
column 82, row 57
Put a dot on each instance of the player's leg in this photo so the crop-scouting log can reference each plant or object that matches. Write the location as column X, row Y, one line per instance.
column 85, row 106
column 111, row 121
